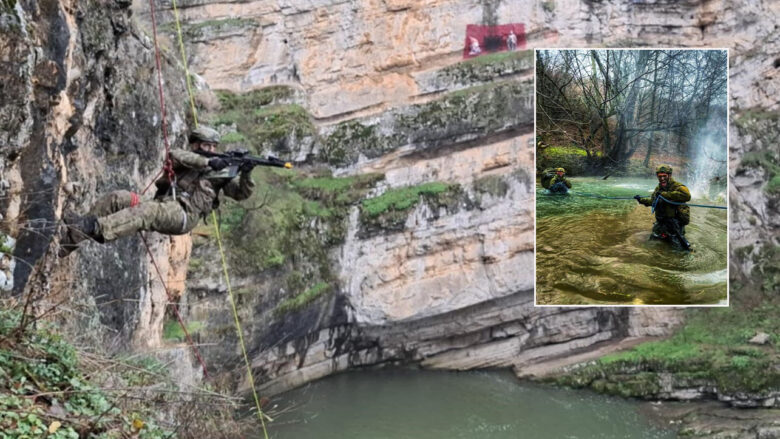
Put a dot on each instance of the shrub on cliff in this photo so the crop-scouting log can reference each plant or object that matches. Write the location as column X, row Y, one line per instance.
column 710, row 351
column 45, row 393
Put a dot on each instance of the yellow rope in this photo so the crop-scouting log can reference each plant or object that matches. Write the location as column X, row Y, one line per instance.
column 184, row 61
column 238, row 325
column 219, row 238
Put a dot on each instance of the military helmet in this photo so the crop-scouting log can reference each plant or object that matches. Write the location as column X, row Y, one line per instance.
column 204, row 134
column 560, row 170
column 663, row 168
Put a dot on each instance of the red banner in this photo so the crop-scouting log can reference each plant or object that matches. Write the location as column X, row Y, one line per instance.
column 486, row 39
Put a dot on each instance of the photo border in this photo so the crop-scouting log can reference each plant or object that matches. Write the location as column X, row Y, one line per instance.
column 728, row 181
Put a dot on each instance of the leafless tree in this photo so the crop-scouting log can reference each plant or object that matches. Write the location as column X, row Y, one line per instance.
column 610, row 103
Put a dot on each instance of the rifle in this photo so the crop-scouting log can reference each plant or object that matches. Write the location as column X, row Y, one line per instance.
column 238, row 157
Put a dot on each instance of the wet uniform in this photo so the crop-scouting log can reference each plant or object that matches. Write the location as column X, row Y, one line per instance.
column 559, row 184
column 669, row 218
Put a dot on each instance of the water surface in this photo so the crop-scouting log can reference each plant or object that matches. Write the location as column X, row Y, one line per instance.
column 411, row 404
column 596, row 251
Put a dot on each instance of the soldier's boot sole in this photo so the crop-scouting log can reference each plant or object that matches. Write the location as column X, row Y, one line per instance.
column 71, row 235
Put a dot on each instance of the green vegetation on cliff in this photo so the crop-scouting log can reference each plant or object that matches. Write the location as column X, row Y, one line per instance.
column 45, row 392
column 173, row 331
column 472, row 112
column 264, row 119
column 488, row 67
column 711, row 350
column 291, row 219
column 390, row 210
column 302, row 299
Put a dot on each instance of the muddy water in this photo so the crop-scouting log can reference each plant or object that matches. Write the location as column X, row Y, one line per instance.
column 596, row 251
column 413, row 404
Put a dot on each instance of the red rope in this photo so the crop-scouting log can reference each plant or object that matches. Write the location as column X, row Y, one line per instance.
column 162, row 95
column 168, row 170
column 175, row 309
column 152, row 182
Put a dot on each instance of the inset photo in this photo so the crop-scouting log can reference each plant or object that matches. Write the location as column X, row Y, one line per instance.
column 632, row 177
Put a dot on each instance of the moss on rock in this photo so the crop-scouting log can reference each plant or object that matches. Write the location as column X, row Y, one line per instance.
column 290, row 218
column 302, row 299
column 494, row 185
column 465, row 114
column 349, row 140
column 488, row 67
column 264, row 120
column 389, row 211
column 711, row 351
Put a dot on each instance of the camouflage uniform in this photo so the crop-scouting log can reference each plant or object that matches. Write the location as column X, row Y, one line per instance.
column 555, row 183
column 561, row 179
column 197, row 189
column 669, row 218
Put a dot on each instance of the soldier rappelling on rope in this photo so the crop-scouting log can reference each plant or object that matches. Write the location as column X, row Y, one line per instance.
column 188, row 193
column 556, row 181
column 671, row 214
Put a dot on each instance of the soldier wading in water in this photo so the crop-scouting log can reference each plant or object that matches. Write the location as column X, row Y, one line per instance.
column 556, row 183
column 175, row 209
column 670, row 219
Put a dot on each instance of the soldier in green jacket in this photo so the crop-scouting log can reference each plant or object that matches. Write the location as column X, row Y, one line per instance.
column 175, row 209
column 556, row 182
column 670, row 219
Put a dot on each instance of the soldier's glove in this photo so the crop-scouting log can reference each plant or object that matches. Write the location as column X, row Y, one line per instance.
column 246, row 167
column 638, row 198
column 217, row 163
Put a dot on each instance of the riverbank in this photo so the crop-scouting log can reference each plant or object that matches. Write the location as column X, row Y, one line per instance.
column 713, row 419
column 727, row 358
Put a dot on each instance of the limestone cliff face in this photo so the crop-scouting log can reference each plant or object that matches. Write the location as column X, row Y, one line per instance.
column 447, row 285
column 79, row 117
column 372, row 87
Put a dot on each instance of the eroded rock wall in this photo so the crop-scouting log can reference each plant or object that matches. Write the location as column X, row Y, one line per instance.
column 445, row 284
column 80, row 116
column 450, row 285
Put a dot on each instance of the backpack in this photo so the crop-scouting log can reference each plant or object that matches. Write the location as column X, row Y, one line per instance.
column 546, row 179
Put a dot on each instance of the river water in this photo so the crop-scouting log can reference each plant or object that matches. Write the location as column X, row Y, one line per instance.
column 596, row 251
column 412, row 404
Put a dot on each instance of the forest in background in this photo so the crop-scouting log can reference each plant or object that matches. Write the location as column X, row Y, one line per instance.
column 622, row 111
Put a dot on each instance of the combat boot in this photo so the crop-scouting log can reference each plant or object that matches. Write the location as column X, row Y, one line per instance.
column 75, row 230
